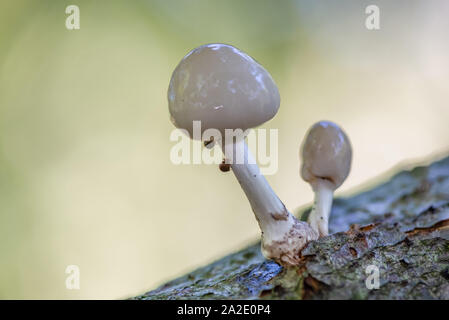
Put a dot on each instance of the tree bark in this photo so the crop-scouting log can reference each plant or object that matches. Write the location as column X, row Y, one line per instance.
column 400, row 228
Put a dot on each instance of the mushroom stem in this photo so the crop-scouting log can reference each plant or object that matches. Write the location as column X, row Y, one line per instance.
column 319, row 216
column 269, row 210
column 283, row 236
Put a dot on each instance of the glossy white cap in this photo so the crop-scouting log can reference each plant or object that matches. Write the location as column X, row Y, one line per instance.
column 326, row 155
column 222, row 87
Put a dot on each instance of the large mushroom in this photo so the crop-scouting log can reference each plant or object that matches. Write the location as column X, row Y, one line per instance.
column 326, row 160
column 225, row 88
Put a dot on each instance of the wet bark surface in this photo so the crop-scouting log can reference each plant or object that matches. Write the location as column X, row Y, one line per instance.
column 399, row 228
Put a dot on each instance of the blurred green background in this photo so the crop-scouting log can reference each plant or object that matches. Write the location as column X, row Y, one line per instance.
column 85, row 175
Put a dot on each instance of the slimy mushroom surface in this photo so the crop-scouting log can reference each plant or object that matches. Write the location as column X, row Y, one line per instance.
column 225, row 88
column 326, row 161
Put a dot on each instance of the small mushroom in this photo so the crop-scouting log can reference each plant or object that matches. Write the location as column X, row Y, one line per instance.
column 326, row 161
column 225, row 88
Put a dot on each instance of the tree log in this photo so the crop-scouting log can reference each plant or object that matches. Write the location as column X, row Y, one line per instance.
column 400, row 227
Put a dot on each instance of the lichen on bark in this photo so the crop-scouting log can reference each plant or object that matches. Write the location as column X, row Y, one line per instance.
column 401, row 227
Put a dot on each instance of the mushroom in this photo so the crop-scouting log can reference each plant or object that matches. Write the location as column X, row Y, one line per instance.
column 326, row 161
column 225, row 88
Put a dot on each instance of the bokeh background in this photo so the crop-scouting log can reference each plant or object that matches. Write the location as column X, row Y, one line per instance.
column 85, row 175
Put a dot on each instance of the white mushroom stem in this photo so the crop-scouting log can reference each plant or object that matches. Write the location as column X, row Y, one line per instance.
column 266, row 205
column 283, row 236
column 319, row 216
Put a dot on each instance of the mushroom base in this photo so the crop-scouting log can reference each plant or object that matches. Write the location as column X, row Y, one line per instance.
column 286, row 250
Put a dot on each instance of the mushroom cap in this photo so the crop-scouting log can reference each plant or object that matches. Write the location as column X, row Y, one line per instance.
column 222, row 87
column 326, row 155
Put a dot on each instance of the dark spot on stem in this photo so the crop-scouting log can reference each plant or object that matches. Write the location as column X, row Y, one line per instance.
column 279, row 216
column 209, row 143
column 224, row 167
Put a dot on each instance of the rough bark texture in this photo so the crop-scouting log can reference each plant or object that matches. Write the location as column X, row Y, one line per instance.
column 401, row 227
